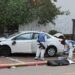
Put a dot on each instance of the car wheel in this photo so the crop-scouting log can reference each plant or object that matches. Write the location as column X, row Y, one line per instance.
column 51, row 51
column 5, row 51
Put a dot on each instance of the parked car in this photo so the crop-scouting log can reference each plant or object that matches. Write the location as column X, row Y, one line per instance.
column 25, row 42
column 2, row 38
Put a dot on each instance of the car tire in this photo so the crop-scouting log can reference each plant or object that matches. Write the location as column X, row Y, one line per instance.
column 51, row 51
column 5, row 51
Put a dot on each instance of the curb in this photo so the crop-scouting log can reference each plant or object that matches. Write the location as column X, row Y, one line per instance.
column 23, row 64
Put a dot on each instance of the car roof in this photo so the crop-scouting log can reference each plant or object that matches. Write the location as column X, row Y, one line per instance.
column 21, row 32
column 30, row 31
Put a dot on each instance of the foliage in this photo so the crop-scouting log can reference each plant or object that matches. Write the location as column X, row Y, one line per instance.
column 16, row 12
column 45, row 11
column 52, row 32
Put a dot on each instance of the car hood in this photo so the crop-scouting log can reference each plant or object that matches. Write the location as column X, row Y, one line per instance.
column 2, row 39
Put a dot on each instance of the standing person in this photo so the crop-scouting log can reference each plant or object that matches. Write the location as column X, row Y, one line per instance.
column 41, row 44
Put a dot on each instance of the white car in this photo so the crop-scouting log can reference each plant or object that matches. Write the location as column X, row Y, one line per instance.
column 25, row 42
column 2, row 38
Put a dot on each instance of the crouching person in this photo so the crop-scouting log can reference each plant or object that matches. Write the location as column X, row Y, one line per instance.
column 41, row 46
column 70, row 44
column 69, row 47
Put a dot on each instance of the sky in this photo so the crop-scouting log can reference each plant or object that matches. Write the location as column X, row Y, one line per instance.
column 67, row 5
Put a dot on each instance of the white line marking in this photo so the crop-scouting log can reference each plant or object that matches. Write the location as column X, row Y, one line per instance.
column 16, row 60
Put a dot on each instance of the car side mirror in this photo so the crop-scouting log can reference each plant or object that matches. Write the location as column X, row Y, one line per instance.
column 14, row 42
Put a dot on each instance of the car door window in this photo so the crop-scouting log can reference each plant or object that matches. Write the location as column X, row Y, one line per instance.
column 25, row 36
column 35, row 35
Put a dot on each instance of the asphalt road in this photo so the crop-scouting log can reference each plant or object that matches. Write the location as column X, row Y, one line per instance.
column 15, row 58
column 22, row 58
column 40, row 70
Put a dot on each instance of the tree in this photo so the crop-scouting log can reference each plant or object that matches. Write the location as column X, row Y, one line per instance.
column 13, row 13
column 52, row 32
column 16, row 12
column 44, row 10
column 3, row 4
